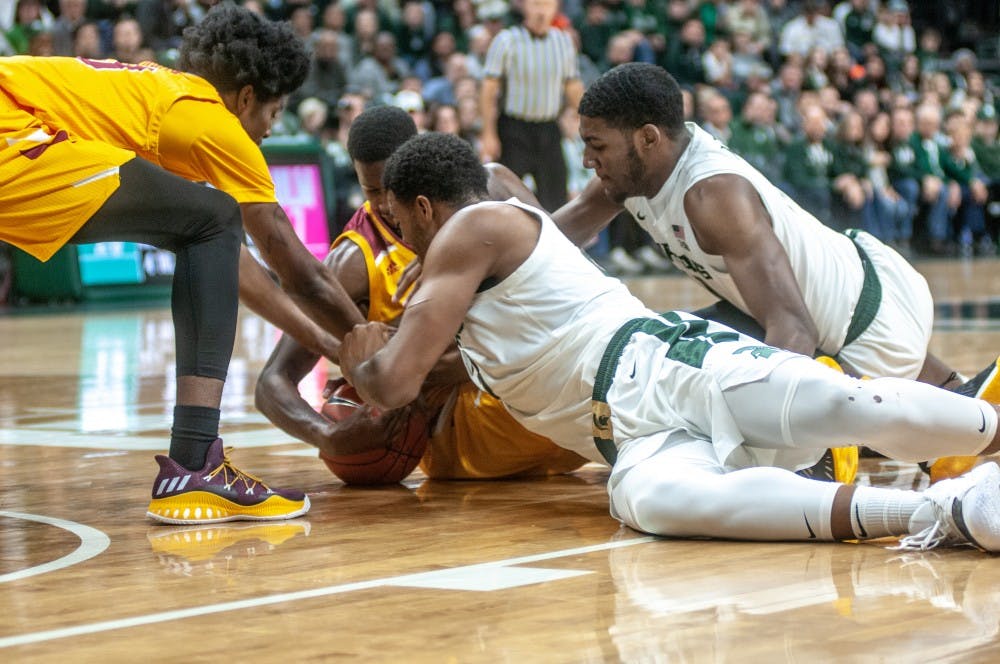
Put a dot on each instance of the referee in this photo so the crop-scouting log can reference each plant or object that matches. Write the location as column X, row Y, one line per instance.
column 535, row 65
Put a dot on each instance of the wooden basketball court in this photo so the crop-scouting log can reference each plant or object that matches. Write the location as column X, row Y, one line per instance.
column 514, row 571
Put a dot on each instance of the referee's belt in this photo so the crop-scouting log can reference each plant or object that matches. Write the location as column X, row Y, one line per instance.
column 508, row 116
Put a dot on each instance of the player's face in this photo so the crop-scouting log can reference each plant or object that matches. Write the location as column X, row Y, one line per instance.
column 411, row 223
column 258, row 116
column 370, row 179
column 612, row 155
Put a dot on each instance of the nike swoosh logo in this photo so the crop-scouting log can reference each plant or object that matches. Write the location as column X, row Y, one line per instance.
column 812, row 535
column 857, row 515
column 641, row 216
column 982, row 429
column 632, row 375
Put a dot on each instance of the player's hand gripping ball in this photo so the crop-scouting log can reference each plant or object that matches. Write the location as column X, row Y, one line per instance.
column 385, row 465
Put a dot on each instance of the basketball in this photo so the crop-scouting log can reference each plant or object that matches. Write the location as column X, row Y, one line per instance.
column 379, row 466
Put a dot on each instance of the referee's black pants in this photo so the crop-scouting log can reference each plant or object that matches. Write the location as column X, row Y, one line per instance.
column 535, row 148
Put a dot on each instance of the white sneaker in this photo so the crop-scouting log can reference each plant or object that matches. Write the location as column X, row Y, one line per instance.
column 963, row 510
column 653, row 259
column 623, row 264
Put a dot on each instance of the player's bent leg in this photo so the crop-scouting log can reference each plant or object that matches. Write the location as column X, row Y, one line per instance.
column 682, row 491
column 805, row 405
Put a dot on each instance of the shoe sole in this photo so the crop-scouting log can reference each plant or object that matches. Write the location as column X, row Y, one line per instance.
column 186, row 509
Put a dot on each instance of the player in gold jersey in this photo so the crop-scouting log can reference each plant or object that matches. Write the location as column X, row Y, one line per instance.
column 100, row 150
column 475, row 437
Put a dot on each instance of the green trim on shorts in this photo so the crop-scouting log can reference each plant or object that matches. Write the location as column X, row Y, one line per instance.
column 689, row 341
column 871, row 294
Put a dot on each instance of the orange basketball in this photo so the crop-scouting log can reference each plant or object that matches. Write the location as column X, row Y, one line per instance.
column 379, row 466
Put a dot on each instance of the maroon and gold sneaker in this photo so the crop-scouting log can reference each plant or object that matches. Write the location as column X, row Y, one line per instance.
column 218, row 492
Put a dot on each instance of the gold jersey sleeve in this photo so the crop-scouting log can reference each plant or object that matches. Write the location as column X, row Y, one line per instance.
column 475, row 438
column 173, row 119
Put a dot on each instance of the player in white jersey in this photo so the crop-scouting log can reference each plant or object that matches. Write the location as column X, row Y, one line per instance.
column 810, row 289
column 701, row 424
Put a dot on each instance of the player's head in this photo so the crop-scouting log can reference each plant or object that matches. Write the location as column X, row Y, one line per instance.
column 374, row 136
column 629, row 112
column 253, row 63
column 427, row 179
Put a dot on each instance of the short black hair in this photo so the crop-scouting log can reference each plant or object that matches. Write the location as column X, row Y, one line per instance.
column 442, row 167
column 232, row 47
column 377, row 132
column 635, row 94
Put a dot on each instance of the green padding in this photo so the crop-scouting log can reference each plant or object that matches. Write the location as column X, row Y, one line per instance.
column 56, row 279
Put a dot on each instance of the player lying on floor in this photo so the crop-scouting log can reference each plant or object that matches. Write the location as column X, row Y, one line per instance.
column 475, row 437
column 703, row 425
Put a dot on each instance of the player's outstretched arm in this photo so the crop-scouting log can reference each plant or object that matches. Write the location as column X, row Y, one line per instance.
column 277, row 394
column 310, row 284
column 388, row 370
column 586, row 215
column 729, row 220
column 265, row 298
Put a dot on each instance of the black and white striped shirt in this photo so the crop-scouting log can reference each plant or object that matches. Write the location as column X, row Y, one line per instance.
column 534, row 70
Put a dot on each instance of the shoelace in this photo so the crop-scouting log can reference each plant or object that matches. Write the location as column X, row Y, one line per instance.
column 930, row 537
column 226, row 466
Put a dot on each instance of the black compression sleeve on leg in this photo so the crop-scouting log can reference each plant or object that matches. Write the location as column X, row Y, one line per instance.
column 195, row 429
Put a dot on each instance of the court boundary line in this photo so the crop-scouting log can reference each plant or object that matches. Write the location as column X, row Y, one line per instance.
column 93, row 542
column 278, row 598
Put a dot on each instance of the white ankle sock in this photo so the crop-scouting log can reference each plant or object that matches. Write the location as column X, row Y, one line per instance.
column 877, row 512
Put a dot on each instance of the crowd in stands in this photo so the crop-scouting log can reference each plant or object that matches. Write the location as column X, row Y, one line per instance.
column 865, row 115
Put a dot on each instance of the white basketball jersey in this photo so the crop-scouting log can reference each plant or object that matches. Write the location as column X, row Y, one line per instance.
column 517, row 335
column 825, row 263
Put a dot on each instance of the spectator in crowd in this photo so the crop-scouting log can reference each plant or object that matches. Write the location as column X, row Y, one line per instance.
column 940, row 193
column 683, row 57
column 890, row 219
column 859, row 24
column 961, row 166
column 716, row 115
column 853, row 197
column 746, row 61
column 441, row 89
column 787, row 90
column 904, row 173
column 755, row 138
column 302, row 22
column 717, row 63
column 379, row 75
column 30, row 18
column 750, row 18
column 810, row 30
column 72, row 14
column 127, row 42
column 807, row 165
column 444, row 118
column 348, row 192
column 443, row 46
column 364, row 28
column 163, row 21
column 987, row 148
column 479, row 44
column 893, row 34
column 415, row 32
column 87, row 41
column 411, row 102
column 929, row 50
column 536, row 65
column 383, row 19
column 906, row 80
column 327, row 77
column 334, row 18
